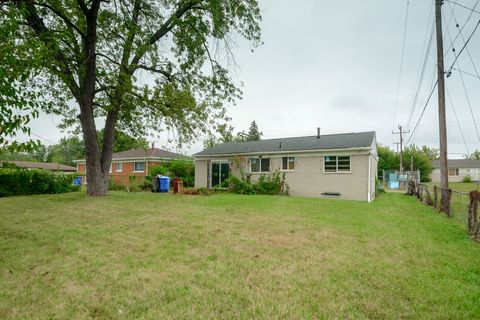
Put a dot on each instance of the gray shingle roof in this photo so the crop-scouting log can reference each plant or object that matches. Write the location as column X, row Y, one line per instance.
column 310, row 143
column 458, row 163
column 43, row 165
column 148, row 153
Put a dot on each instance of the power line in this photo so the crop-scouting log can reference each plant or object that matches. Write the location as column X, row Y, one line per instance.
column 464, row 46
column 463, row 6
column 458, row 122
column 422, row 70
column 467, row 73
column 461, row 29
column 464, row 86
column 401, row 62
column 468, row 51
column 421, row 115
column 36, row 135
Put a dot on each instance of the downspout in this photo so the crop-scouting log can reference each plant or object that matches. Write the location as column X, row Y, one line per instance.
column 369, row 188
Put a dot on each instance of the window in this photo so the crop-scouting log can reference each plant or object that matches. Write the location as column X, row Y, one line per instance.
column 139, row 167
column 333, row 164
column 288, row 163
column 110, row 170
column 260, row 165
column 119, row 167
column 453, row 171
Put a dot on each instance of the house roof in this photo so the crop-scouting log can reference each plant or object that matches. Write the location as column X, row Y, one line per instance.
column 309, row 143
column 148, row 153
column 458, row 163
column 43, row 165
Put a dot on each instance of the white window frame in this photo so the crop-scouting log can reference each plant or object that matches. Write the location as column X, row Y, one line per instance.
column 260, row 164
column 117, row 165
column 144, row 166
column 110, row 170
column 337, row 155
column 288, row 159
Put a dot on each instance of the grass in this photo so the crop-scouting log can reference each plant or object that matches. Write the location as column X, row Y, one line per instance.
column 226, row 256
column 460, row 199
column 458, row 186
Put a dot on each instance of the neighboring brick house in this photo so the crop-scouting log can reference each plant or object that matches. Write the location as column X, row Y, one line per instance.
column 134, row 164
column 334, row 165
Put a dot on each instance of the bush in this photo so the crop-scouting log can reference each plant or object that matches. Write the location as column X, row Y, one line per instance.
column 467, row 179
column 113, row 186
column 161, row 169
column 271, row 185
column 184, row 170
column 26, row 182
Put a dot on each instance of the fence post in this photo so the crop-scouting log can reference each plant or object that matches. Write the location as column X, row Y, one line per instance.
column 473, row 223
column 429, row 197
column 435, row 197
column 446, row 205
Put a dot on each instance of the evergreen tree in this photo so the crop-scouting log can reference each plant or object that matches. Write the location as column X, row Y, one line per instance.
column 254, row 134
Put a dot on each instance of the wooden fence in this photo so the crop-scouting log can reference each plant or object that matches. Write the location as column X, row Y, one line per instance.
column 461, row 206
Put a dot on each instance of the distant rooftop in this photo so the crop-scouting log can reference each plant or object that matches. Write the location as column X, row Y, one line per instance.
column 458, row 163
column 309, row 143
column 146, row 153
column 43, row 165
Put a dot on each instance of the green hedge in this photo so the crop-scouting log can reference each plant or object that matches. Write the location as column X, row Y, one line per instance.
column 15, row 182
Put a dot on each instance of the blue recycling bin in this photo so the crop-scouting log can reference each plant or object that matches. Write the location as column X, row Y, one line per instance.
column 77, row 181
column 164, row 183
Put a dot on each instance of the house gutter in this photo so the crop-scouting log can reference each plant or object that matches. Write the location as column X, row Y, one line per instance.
column 137, row 159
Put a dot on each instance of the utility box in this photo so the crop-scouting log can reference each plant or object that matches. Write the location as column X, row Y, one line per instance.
column 177, row 185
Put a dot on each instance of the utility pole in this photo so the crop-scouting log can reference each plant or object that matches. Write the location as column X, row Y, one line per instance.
column 401, row 132
column 397, row 144
column 445, row 203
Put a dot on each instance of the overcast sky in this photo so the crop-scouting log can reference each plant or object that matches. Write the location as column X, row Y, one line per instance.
column 336, row 64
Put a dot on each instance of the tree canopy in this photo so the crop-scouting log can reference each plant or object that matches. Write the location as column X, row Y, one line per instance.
column 422, row 159
column 225, row 134
column 140, row 65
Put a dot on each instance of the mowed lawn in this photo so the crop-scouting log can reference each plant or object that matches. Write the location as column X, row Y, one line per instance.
column 227, row 256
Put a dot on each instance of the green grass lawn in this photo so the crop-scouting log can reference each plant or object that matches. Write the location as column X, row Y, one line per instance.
column 229, row 256
column 458, row 186
column 460, row 200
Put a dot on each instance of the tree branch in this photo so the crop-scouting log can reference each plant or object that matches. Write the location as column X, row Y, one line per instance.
column 62, row 16
column 162, row 31
column 38, row 26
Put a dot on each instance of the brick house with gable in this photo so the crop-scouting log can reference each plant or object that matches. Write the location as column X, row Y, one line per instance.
column 135, row 163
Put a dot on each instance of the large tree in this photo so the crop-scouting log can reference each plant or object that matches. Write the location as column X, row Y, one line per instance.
column 137, row 64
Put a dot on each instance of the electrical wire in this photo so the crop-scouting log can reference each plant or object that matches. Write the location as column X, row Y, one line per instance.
column 421, row 72
column 463, row 6
column 464, row 86
column 458, row 122
column 401, row 63
column 461, row 34
column 461, row 29
column 464, row 46
column 421, row 115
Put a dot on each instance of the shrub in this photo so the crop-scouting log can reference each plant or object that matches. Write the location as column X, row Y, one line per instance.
column 184, row 170
column 113, row 186
column 271, row 185
column 467, row 179
column 26, row 182
column 161, row 169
